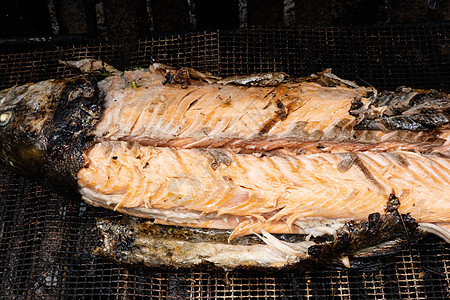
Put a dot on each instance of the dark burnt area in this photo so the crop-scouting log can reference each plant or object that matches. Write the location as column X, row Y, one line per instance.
column 404, row 109
column 356, row 236
column 280, row 104
column 18, row 155
column 268, row 125
column 180, row 76
column 76, row 111
column 69, row 132
column 119, row 242
column 49, row 131
column 123, row 241
column 280, row 115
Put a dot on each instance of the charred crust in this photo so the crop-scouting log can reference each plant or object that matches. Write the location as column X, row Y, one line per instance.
column 373, row 222
column 357, row 104
column 393, row 204
column 280, row 115
column 280, row 104
column 124, row 242
column 169, row 78
column 69, row 132
column 358, row 235
column 404, row 109
column 180, row 76
column 267, row 126
column 118, row 238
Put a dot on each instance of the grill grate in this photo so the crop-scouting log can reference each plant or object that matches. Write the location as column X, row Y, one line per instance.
column 385, row 57
column 45, row 240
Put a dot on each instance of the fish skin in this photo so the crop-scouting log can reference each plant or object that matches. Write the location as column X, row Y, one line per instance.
column 143, row 109
column 141, row 242
column 404, row 109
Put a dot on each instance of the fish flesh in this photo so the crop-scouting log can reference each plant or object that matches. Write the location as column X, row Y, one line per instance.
column 304, row 116
column 247, row 192
column 262, row 158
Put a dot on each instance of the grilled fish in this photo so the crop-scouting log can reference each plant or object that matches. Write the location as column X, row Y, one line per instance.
column 262, row 155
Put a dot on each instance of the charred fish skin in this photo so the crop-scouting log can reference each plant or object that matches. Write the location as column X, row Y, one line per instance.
column 46, row 127
column 404, row 109
column 140, row 242
column 364, row 237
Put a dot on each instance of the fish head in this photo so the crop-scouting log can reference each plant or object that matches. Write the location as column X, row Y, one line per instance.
column 41, row 124
column 24, row 112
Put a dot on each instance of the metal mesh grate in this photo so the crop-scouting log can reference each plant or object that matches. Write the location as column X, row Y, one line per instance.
column 200, row 51
column 385, row 57
column 45, row 240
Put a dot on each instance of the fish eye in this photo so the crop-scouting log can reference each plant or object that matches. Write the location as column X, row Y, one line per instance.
column 5, row 117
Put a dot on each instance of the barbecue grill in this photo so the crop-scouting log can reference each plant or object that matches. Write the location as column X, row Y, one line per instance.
column 46, row 239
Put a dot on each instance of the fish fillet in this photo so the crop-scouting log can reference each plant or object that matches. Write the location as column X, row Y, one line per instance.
column 303, row 116
column 248, row 192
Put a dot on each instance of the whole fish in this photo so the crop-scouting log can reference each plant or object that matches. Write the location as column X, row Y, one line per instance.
column 262, row 155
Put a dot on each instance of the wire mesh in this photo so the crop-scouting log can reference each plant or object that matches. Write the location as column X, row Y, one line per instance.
column 46, row 239
column 385, row 57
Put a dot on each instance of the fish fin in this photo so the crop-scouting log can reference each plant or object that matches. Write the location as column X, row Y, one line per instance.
column 182, row 75
column 337, row 80
column 345, row 261
column 296, row 250
column 259, row 79
column 90, row 65
column 281, row 246
column 380, row 249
